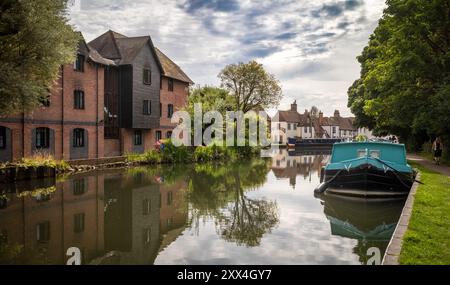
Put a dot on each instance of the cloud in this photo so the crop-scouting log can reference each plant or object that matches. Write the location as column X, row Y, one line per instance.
column 191, row 6
column 297, row 41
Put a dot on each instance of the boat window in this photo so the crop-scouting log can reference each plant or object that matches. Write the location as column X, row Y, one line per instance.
column 361, row 153
column 375, row 153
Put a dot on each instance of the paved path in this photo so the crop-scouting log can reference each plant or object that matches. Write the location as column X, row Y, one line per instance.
column 445, row 170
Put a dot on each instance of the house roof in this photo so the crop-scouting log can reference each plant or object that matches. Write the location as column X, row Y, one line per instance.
column 91, row 53
column 122, row 49
column 106, row 45
column 171, row 69
column 288, row 116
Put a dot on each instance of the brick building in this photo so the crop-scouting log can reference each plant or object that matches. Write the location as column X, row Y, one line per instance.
column 117, row 98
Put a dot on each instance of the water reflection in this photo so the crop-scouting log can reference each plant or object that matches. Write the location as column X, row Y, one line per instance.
column 230, row 213
column 369, row 221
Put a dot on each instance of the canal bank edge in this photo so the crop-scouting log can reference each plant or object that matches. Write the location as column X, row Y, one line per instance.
column 392, row 255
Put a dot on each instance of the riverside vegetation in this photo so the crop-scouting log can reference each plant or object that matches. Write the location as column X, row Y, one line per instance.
column 184, row 154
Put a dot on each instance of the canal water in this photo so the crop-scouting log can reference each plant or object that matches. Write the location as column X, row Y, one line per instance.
column 261, row 211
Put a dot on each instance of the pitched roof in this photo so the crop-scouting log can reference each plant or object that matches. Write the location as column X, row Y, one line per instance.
column 289, row 116
column 91, row 53
column 171, row 69
column 105, row 44
column 122, row 49
column 129, row 48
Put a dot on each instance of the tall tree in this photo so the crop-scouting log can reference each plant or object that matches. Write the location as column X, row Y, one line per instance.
column 251, row 86
column 35, row 40
column 405, row 72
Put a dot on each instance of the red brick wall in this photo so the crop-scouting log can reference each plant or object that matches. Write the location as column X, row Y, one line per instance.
column 91, row 81
column 178, row 98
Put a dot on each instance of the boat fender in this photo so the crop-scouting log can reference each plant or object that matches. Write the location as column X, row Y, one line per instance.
column 321, row 188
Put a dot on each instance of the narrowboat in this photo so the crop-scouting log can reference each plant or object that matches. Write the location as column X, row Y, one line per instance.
column 367, row 169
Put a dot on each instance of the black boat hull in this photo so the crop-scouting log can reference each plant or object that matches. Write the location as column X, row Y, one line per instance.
column 367, row 180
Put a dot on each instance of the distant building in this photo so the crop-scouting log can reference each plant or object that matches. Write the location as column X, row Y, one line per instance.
column 306, row 126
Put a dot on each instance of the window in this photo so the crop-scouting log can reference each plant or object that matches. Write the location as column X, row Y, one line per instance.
column 42, row 138
column 169, row 111
column 169, row 198
column 147, row 107
column 169, row 223
column 78, row 223
column 43, row 231
column 306, row 130
column 334, row 130
column 169, row 134
column 147, row 235
column 158, row 135
column 375, row 153
column 79, row 187
column 138, row 137
column 160, row 110
column 361, row 153
column 2, row 137
column 289, row 126
column 146, row 207
column 170, row 85
column 78, row 96
column 295, row 127
column 78, row 138
column 147, row 76
column 78, row 65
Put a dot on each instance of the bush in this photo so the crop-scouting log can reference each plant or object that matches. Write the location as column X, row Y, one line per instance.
column 43, row 160
column 152, row 157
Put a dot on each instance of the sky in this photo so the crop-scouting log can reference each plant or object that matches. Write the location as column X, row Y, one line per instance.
column 310, row 46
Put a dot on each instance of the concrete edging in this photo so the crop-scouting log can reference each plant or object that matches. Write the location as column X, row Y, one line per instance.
column 391, row 257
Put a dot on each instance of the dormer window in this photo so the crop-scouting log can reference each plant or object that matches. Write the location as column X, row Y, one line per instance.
column 147, row 76
column 78, row 65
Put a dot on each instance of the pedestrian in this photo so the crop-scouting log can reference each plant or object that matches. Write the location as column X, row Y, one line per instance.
column 437, row 148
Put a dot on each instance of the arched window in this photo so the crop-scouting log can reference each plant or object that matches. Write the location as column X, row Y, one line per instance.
column 78, row 138
column 42, row 138
column 2, row 137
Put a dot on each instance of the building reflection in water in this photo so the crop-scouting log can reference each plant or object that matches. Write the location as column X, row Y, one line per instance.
column 292, row 163
column 112, row 217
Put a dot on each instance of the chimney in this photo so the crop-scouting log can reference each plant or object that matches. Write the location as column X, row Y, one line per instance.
column 321, row 118
column 336, row 114
column 294, row 106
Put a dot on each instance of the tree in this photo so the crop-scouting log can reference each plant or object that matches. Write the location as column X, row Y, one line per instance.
column 212, row 99
column 405, row 72
column 314, row 112
column 35, row 40
column 251, row 86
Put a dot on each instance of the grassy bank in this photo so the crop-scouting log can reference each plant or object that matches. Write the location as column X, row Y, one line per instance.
column 427, row 240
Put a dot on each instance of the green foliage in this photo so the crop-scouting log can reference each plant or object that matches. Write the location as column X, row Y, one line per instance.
column 40, row 160
column 152, row 157
column 405, row 73
column 361, row 138
column 212, row 99
column 251, row 86
column 35, row 40
column 428, row 237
